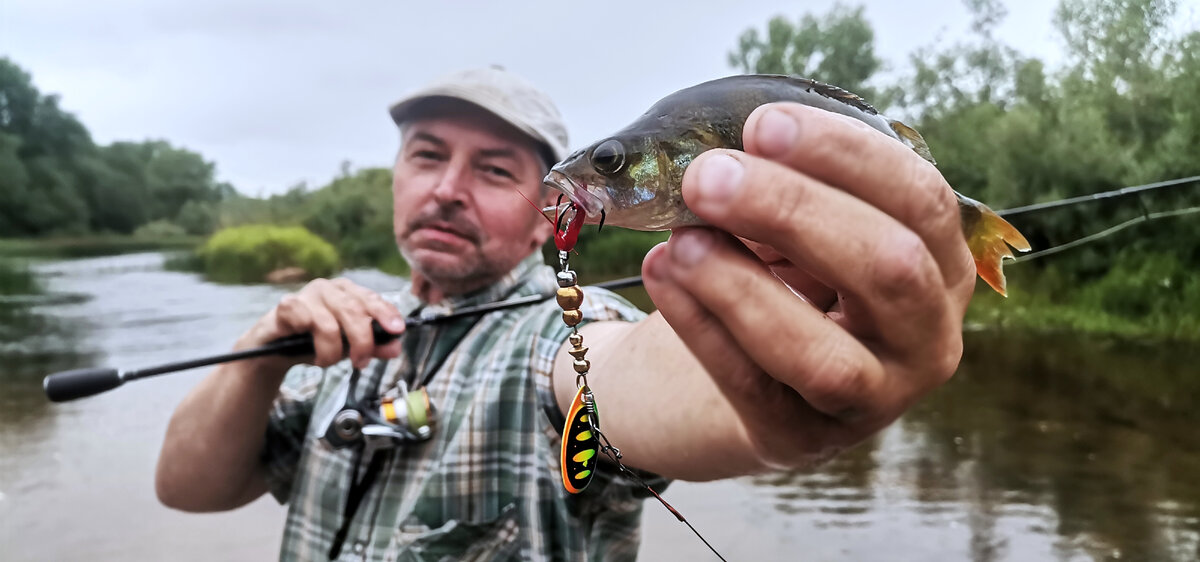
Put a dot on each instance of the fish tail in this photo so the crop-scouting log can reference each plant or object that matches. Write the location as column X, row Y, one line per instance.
column 989, row 237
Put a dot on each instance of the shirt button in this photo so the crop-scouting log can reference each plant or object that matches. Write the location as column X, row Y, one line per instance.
column 358, row 548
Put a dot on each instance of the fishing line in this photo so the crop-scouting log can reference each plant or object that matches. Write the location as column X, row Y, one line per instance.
column 1106, row 232
column 1123, row 192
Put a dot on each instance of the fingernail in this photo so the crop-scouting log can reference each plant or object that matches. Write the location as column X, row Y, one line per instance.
column 720, row 178
column 690, row 246
column 396, row 324
column 776, row 133
column 656, row 268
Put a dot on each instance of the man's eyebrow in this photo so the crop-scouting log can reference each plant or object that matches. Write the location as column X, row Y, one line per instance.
column 503, row 152
column 427, row 137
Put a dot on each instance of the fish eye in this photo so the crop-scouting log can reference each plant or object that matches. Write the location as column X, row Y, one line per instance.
column 609, row 157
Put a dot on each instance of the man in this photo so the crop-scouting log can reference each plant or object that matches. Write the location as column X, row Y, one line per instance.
column 734, row 374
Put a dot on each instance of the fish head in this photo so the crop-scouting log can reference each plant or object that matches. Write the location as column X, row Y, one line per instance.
column 630, row 181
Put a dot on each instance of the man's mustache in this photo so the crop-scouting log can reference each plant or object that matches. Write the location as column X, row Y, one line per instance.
column 446, row 218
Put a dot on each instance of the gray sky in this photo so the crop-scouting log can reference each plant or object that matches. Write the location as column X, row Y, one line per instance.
column 281, row 92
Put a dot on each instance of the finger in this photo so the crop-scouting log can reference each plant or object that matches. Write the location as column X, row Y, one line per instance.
column 382, row 311
column 802, row 282
column 786, row 338
column 292, row 315
column 390, row 350
column 376, row 306
column 352, row 318
column 304, row 312
column 885, row 274
column 849, row 154
column 764, row 405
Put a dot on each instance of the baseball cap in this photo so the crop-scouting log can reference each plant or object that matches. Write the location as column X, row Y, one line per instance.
column 508, row 96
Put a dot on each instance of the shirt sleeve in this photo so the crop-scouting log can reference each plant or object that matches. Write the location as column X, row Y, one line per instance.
column 287, row 426
column 599, row 305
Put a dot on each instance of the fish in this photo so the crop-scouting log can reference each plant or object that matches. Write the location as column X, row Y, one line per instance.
column 633, row 178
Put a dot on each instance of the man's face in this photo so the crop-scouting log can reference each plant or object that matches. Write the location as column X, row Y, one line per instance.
column 459, row 216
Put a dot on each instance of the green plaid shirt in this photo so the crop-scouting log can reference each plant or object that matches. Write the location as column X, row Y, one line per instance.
column 487, row 485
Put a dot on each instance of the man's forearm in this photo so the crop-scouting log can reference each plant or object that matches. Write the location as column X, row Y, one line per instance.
column 658, row 404
column 210, row 456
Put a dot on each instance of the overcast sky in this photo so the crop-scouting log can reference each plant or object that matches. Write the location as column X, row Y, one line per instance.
column 281, row 92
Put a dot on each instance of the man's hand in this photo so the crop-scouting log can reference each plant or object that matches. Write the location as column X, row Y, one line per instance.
column 327, row 309
column 842, row 302
column 210, row 456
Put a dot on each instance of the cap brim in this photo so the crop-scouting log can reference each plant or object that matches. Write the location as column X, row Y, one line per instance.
column 407, row 108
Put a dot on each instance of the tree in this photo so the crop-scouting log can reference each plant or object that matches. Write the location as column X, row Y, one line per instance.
column 54, row 179
column 838, row 49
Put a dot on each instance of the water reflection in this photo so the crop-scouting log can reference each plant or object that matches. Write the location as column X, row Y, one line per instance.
column 1090, row 445
column 35, row 341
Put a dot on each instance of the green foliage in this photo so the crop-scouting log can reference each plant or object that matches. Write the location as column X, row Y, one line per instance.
column 198, row 217
column 16, row 279
column 354, row 212
column 246, row 254
column 92, row 245
column 159, row 229
column 1122, row 110
column 1142, row 296
column 838, row 48
column 55, row 181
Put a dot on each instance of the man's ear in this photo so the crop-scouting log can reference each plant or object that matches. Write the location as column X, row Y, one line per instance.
column 542, row 231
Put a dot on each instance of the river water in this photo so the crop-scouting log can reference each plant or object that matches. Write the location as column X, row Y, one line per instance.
column 1041, row 448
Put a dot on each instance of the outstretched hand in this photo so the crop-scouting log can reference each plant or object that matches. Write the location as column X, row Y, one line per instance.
column 829, row 295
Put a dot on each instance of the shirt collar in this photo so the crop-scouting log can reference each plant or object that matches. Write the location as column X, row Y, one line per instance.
column 522, row 279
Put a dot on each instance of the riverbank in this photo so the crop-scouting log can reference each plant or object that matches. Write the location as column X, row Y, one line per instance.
column 1142, row 297
column 92, row 246
column 1139, row 296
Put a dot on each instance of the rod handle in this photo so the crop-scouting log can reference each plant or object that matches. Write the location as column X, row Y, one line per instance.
column 302, row 344
column 78, row 383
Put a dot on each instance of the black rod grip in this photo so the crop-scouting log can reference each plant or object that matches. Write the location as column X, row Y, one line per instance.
column 69, row 385
column 302, row 344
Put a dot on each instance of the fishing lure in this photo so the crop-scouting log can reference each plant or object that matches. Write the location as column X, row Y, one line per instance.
column 582, row 440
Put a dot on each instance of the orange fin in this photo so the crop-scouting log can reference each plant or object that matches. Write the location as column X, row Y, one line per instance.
column 989, row 237
column 913, row 139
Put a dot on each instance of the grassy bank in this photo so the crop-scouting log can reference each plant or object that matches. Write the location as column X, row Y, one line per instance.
column 1141, row 296
column 90, row 246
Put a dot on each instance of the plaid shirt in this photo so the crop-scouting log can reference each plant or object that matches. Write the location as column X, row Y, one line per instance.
column 486, row 486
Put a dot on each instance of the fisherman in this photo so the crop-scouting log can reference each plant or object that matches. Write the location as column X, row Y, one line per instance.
column 825, row 299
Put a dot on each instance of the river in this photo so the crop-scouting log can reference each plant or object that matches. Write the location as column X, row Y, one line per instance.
column 1054, row 447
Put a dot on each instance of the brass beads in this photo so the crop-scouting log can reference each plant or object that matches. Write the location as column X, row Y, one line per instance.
column 569, row 298
column 572, row 317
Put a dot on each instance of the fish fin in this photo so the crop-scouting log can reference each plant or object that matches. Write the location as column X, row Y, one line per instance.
column 989, row 237
column 913, row 139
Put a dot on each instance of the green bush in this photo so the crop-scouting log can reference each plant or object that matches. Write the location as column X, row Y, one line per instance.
column 159, row 229
column 15, row 279
column 246, row 254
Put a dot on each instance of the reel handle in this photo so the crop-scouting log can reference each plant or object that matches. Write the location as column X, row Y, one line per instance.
column 80, row 383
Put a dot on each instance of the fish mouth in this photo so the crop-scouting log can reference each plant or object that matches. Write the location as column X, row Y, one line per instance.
column 584, row 200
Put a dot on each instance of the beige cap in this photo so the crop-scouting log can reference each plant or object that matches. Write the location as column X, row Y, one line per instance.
column 504, row 94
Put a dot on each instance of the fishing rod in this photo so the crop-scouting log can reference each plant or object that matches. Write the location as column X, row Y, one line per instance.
column 1135, row 190
column 79, row 383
